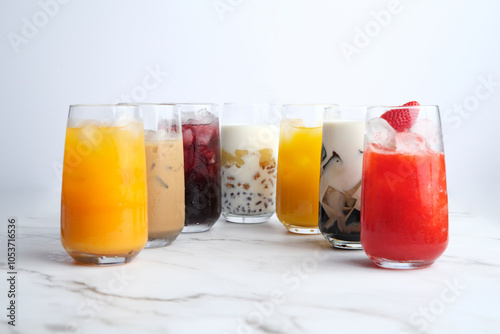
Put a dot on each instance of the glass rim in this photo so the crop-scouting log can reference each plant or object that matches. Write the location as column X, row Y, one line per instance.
column 249, row 104
column 145, row 104
column 195, row 104
column 403, row 107
column 348, row 106
column 101, row 105
column 310, row 105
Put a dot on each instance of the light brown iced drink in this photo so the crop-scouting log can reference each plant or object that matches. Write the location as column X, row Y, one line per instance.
column 165, row 174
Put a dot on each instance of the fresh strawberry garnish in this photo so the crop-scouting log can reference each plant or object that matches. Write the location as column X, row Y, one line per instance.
column 402, row 119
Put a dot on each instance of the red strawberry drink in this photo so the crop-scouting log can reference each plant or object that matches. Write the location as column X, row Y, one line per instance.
column 404, row 216
column 202, row 175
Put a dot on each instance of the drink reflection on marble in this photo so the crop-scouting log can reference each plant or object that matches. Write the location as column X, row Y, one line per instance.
column 299, row 156
column 249, row 140
column 404, row 217
column 340, row 181
column 202, row 174
column 165, row 172
column 104, row 200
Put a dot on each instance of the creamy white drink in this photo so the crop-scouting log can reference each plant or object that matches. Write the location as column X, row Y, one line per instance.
column 340, row 182
column 249, row 155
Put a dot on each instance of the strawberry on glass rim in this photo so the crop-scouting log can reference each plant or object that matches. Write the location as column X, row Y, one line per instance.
column 402, row 119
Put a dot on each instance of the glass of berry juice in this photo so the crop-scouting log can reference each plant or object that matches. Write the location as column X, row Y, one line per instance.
column 202, row 173
column 404, row 201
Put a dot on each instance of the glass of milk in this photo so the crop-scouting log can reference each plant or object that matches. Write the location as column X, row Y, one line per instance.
column 249, row 141
column 340, row 180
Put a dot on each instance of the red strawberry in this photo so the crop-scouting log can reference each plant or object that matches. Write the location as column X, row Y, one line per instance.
column 402, row 119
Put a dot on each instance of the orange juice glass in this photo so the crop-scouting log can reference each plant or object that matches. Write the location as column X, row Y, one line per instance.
column 299, row 158
column 104, row 195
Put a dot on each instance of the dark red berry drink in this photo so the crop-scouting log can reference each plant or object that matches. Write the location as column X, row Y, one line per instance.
column 202, row 174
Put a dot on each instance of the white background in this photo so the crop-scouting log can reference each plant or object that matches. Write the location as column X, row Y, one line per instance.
column 436, row 52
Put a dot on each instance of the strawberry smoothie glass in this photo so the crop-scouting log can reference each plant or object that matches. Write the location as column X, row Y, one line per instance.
column 404, row 216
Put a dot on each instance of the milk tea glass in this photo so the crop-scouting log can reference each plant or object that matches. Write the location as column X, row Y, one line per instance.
column 202, row 174
column 249, row 139
column 104, row 199
column 165, row 173
column 299, row 157
column 340, row 181
column 404, row 210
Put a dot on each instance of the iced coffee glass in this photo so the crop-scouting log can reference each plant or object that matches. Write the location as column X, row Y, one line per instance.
column 202, row 174
column 249, row 140
column 299, row 157
column 340, row 181
column 165, row 172
column 104, row 199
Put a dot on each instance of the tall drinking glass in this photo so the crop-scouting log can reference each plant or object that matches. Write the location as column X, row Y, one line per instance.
column 165, row 172
column 104, row 200
column 202, row 174
column 404, row 216
column 299, row 157
column 249, row 139
column 340, row 181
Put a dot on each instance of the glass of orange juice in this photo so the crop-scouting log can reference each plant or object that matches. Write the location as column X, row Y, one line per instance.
column 104, row 192
column 299, row 158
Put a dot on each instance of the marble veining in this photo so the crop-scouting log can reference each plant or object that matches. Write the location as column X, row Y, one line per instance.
column 254, row 279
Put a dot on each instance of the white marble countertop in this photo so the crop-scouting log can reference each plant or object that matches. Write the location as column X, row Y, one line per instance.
column 249, row 279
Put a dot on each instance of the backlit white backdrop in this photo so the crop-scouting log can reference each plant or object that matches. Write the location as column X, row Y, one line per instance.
column 54, row 53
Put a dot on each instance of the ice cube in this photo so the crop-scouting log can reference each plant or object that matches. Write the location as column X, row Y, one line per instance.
column 407, row 142
column 149, row 135
column 430, row 131
column 121, row 119
column 163, row 135
column 295, row 122
column 205, row 117
column 200, row 117
column 187, row 135
column 188, row 117
column 204, row 134
column 380, row 133
column 135, row 130
column 91, row 132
